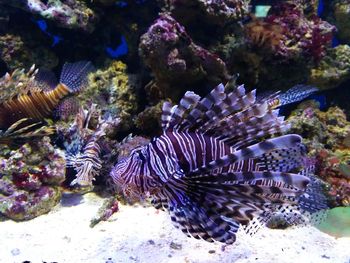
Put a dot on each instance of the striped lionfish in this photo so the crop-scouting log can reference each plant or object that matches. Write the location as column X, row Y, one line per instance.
column 33, row 96
column 214, row 170
column 83, row 146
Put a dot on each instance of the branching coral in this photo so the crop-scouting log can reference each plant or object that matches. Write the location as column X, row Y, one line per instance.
column 29, row 179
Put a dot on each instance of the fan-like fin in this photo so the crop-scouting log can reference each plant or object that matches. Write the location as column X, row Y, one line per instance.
column 253, row 151
column 74, row 75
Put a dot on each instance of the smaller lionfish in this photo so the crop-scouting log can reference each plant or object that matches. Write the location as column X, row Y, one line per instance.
column 30, row 95
column 83, row 149
column 214, row 169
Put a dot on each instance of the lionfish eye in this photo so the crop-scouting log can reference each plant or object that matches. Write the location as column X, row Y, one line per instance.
column 140, row 155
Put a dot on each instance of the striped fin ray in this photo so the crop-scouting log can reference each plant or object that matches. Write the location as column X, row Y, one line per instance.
column 251, row 152
column 178, row 112
column 199, row 111
column 282, row 160
column 203, row 223
column 212, row 115
column 166, row 114
column 74, row 75
column 242, row 108
column 296, row 180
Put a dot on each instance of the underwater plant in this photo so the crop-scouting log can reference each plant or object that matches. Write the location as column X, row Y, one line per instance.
column 214, row 170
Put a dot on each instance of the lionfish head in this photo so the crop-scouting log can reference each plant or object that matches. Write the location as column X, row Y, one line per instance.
column 132, row 175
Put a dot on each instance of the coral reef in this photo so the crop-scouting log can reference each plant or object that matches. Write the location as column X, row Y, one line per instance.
column 341, row 12
column 175, row 60
column 114, row 92
column 149, row 120
column 326, row 134
column 68, row 14
column 333, row 69
column 288, row 33
column 19, row 52
column 218, row 12
column 29, row 179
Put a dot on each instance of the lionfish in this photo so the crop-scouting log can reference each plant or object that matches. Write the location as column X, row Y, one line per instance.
column 214, row 169
column 83, row 147
column 36, row 96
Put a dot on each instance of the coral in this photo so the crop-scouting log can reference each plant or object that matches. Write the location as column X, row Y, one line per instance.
column 149, row 120
column 18, row 52
column 288, row 33
column 326, row 134
column 67, row 14
column 29, row 179
column 114, row 91
column 218, row 12
column 341, row 11
column 175, row 60
column 333, row 69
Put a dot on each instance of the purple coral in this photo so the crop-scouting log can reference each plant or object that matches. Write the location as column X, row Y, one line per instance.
column 29, row 179
column 172, row 55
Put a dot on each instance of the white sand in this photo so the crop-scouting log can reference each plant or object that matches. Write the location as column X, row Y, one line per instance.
column 137, row 234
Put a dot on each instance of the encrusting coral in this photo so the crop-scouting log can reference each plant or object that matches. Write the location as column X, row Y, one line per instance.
column 333, row 69
column 29, row 179
column 114, row 92
column 68, row 14
column 326, row 135
column 341, row 11
column 171, row 54
column 19, row 52
column 219, row 12
column 288, row 33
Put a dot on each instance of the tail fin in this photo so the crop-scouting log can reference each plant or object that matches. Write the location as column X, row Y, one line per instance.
column 74, row 74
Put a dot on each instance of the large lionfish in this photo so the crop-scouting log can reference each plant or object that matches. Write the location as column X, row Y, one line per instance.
column 36, row 96
column 214, row 170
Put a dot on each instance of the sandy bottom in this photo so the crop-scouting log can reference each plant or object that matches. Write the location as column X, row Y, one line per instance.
column 139, row 234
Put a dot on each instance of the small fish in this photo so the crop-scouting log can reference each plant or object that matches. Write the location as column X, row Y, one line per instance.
column 214, row 170
column 35, row 99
